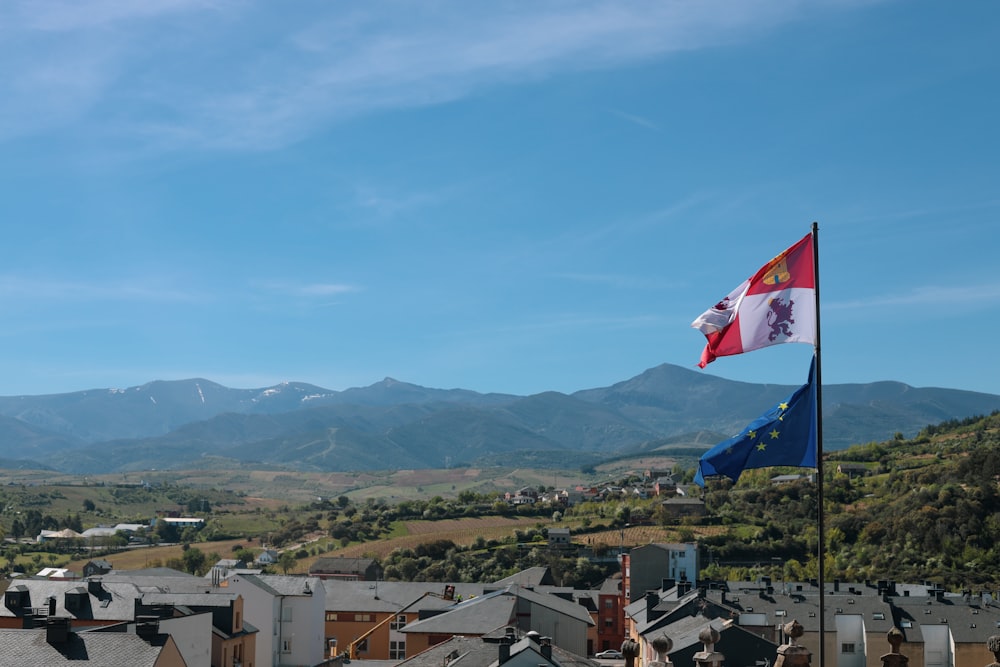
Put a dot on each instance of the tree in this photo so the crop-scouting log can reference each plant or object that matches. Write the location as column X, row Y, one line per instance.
column 88, row 505
column 286, row 561
column 194, row 561
column 166, row 532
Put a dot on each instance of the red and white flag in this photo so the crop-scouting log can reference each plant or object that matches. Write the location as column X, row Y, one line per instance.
column 776, row 305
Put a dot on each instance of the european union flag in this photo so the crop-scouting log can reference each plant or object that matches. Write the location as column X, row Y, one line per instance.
column 785, row 435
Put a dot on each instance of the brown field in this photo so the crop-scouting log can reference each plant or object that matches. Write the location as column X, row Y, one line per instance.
column 475, row 526
column 639, row 535
column 136, row 559
column 460, row 531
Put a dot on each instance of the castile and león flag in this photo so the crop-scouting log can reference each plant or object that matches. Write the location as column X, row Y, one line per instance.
column 778, row 304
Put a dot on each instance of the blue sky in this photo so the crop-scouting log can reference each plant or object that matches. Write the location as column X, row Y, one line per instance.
column 503, row 196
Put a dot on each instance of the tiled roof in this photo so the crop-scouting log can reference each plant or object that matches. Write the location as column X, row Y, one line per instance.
column 284, row 585
column 471, row 617
column 29, row 647
column 555, row 603
column 189, row 599
column 113, row 601
column 341, row 565
column 533, row 576
column 969, row 620
column 474, row 652
column 391, row 596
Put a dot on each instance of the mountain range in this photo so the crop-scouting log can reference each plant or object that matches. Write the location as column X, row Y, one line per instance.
column 197, row 423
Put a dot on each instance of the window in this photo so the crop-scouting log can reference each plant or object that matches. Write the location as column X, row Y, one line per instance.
column 362, row 646
column 397, row 650
column 878, row 616
column 609, row 622
column 398, row 622
column 331, row 616
column 609, row 604
column 362, row 618
column 286, row 614
column 847, row 647
column 286, row 645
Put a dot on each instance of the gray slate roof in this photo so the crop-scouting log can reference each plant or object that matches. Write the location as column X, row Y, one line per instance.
column 284, row 585
column 113, row 602
column 29, row 647
column 970, row 621
column 483, row 614
column 474, row 652
column 533, row 576
column 471, row 617
column 391, row 596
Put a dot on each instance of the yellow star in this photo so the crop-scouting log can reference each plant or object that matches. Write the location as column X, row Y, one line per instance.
column 729, row 450
column 783, row 406
column 774, row 434
column 751, row 434
column 761, row 446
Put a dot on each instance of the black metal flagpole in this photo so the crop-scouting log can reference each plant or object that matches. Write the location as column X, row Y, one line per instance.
column 819, row 455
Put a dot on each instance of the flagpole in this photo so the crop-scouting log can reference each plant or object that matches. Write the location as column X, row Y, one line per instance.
column 819, row 455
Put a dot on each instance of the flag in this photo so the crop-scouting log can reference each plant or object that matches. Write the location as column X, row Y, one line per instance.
column 785, row 435
column 776, row 305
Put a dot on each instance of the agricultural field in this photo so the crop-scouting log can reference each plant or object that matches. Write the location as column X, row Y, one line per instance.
column 298, row 511
column 460, row 531
column 143, row 557
column 634, row 536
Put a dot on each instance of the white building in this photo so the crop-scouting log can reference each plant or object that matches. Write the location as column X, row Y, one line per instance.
column 290, row 614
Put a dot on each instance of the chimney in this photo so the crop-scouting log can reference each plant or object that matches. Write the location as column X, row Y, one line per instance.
column 652, row 599
column 147, row 627
column 57, row 630
column 836, row 585
column 52, row 605
column 95, row 587
column 546, row 647
column 504, row 649
column 667, row 584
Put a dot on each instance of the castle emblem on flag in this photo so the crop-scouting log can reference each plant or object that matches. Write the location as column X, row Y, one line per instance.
column 778, row 275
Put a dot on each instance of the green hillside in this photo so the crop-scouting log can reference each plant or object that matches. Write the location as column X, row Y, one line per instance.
column 924, row 509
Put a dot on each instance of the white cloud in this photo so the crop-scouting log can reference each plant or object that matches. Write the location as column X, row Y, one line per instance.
column 190, row 73
column 637, row 120
column 308, row 289
column 930, row 299
column 18, row 287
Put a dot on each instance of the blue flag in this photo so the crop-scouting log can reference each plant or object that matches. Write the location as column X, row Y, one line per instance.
column 785, row 435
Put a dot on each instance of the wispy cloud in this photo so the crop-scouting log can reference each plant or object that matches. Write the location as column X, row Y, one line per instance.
column 216, row 74
column 931, row 298
column 637, row 120
column 27, row 288
column 306, row 290
column 618, row 281
column 390, row 204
